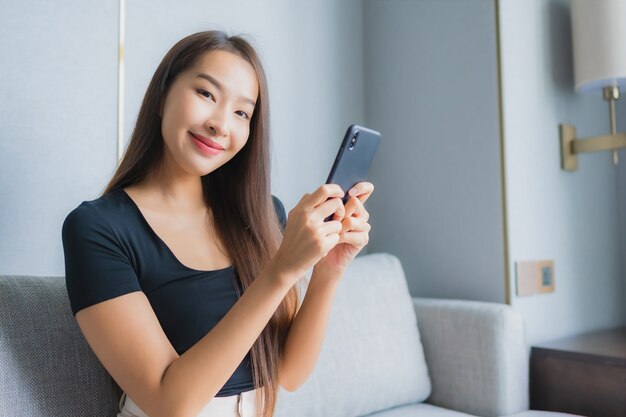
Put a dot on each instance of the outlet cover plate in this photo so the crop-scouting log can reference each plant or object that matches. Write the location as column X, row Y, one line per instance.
column 534, row 277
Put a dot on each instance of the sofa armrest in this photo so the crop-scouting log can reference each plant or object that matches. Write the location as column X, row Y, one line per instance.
column 476, row 355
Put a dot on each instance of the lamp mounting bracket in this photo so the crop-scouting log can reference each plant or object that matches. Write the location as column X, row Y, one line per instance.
column 571, row 147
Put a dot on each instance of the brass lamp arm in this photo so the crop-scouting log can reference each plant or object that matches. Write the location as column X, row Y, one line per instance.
column 570, row 146
column 599, row 143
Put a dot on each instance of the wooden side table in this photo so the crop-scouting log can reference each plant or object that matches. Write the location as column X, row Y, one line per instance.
column 584, row 374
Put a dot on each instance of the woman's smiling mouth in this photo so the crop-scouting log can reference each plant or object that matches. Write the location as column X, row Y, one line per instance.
column 206, row 145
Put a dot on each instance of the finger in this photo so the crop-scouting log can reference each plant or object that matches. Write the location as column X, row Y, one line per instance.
column 351, row 206
column 334, row 205
column 358, row 239
column 323, row 193
column 331, row 241
column 361, row 190
column 361, row 211
column 331, row 227
column 357, row 224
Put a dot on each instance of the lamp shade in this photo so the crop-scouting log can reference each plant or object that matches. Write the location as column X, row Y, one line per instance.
column 599, row 38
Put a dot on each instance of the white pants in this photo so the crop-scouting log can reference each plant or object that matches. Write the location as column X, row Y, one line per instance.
column 240, row 405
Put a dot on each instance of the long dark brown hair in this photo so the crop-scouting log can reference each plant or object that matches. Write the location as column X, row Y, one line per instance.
column 237, row 193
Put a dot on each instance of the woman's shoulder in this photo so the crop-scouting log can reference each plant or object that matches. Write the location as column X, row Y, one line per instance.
column 99, row 213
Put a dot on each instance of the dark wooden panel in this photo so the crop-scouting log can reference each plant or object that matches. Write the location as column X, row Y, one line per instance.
column 608, row 345
column 584, row 375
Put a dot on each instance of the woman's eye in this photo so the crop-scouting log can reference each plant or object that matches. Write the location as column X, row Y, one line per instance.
column 204, row 93
column 243, row 114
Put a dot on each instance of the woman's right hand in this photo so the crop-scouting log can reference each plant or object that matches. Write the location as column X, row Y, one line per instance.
column 307, row 238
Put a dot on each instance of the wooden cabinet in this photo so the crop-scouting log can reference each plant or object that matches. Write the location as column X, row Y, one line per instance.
column 584, row 374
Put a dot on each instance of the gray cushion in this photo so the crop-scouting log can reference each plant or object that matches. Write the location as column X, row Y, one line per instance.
column 537, row 413
column 372, row 357
column 477, row 355
column 419, row 410
column 46, row 366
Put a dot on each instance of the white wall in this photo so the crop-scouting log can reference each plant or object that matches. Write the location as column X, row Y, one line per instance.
column 571, row 218
column 59, row 100
column 432, row 91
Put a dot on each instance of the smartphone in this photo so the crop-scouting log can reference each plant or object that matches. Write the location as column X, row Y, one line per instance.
column 354, row 158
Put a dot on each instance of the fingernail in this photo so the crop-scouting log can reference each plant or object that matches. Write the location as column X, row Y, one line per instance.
column 352, row 191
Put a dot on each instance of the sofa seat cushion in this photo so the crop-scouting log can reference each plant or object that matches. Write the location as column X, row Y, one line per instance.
column 429, row 410
column 538, row 413
column 419, row 410
column 371, row 357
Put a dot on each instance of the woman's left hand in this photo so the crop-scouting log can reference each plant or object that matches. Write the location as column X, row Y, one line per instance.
column 354, row 234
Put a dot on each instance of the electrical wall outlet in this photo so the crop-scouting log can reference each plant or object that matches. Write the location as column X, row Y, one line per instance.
column 534, row 277
column 546, row 272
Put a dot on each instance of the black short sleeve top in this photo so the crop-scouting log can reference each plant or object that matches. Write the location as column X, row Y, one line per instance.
column 111, row 250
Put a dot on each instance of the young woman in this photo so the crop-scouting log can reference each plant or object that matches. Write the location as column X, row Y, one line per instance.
column 182, row 275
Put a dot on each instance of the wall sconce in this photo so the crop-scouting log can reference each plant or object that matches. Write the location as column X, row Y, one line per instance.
column 599, row 39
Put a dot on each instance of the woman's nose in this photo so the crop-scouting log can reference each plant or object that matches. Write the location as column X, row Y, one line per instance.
column 218, row 123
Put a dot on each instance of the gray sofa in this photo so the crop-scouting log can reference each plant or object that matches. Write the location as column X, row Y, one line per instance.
column 385, row 354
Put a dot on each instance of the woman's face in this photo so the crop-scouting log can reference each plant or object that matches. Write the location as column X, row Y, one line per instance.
column 206, row 113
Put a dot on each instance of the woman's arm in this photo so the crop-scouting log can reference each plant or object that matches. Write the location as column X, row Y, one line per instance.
column 127, row 337
column 306, row 334
column 307, row 331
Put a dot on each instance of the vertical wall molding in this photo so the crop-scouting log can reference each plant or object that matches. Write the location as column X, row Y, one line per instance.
column 505, row 232
column 120, row 79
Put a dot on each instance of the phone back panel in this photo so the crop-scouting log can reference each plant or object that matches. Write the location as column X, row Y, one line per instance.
column 352, row 165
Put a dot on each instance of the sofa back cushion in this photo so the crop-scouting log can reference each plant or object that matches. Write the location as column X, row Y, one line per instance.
column 47, row 369
column 371, row 358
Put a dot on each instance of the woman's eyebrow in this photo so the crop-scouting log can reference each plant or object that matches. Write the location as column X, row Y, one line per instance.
column 220, row 87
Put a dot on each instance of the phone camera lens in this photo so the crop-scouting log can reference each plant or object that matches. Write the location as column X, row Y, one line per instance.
column 353, row 140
